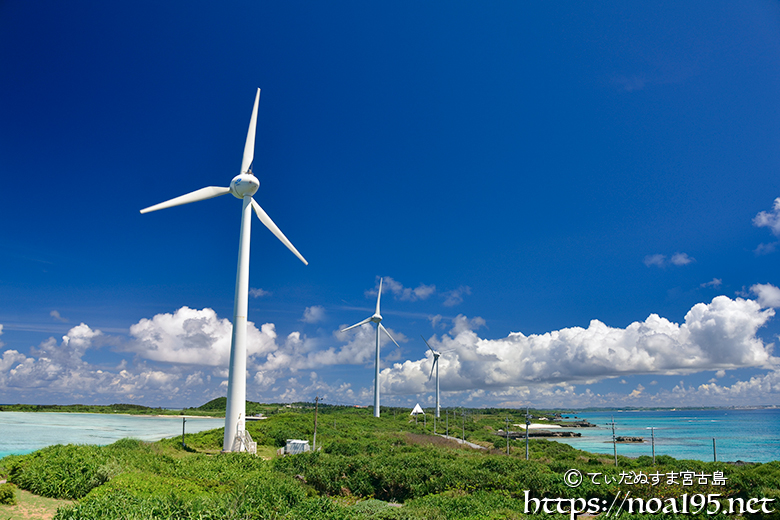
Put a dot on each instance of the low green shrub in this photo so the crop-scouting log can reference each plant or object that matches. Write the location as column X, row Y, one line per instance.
column 59, row 471
column 7, row 494
column 144, row 496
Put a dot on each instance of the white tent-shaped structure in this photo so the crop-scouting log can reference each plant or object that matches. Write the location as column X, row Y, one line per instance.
column 417, row 410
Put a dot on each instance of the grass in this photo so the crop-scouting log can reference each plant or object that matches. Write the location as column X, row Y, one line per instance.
column 29, row 506
column 387, row 468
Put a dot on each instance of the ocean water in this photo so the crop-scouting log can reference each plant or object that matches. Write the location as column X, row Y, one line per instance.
column 23, row 432
column 747, row 435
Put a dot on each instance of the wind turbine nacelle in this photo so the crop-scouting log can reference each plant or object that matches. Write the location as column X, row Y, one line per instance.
column 244, row 184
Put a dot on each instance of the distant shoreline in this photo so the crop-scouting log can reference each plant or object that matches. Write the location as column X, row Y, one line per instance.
column 166, row 416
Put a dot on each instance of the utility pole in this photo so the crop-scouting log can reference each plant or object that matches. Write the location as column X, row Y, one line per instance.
column 316, row 407
column 652, row 440
column 447, row 422
column 507, row 435
column 614, row 442
column 183, row 420
column 463, row 416
column 714, row 453
column 527, row 427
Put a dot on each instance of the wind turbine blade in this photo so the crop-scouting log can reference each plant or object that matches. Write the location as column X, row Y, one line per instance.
column 432, row 367
column 208, row 192
column 356, row 325
column 378, row 296
column 266, row 220
column 423, row 337
column 249, row 147
column 388, row 334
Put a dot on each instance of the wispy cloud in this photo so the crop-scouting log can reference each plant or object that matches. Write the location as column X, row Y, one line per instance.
column 455, row 297
column 258, row 293
column 657, row 260
column 765, row 249
column 660, row 260
column 681, row 259
column 629, row 83
column 715, row 282
column 399, row 292
column 56, row 315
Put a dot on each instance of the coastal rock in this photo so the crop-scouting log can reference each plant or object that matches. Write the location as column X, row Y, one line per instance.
column 625, row 439
column 539, row 433
column 582, row 424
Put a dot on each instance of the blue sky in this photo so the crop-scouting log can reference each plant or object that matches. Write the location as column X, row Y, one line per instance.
column 515, row 171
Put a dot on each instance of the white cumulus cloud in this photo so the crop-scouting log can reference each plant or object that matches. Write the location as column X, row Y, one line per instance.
column 716, row 336
column 194, row 337
column 314, row 314
column 73, row 347
column 770, row 219
column 768, row 294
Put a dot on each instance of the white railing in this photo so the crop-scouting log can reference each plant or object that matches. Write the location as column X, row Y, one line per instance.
column 244, row 442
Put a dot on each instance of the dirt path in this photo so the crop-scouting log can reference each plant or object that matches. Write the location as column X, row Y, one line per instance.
column 31, row 507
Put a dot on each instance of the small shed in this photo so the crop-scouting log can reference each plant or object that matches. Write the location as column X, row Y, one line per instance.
column 295, row 446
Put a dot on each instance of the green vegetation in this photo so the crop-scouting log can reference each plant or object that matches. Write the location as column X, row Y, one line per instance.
column 29, row 506
column 7, row 494
column 387, row 468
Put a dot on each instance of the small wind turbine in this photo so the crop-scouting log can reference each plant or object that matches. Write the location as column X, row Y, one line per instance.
column 435, row 365
column 376, row 318
column 243, row 186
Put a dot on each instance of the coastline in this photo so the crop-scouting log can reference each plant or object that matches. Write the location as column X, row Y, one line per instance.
column 24, row 432
column 161, row 416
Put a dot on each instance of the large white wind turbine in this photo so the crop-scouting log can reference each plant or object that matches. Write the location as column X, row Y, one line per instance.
column 376, row 318
column 243, row 186
column 435, row 365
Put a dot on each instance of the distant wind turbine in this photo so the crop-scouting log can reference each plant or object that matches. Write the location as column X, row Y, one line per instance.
column 435, row 365
column 243, row 186
column 376, row 318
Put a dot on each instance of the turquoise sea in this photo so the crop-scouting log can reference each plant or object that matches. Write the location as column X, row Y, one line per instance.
column 23, row 432
column 747, row 435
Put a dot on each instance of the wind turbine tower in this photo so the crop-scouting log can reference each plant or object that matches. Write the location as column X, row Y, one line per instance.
column 243, row 186
column 435, row 365
column 376, row 318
